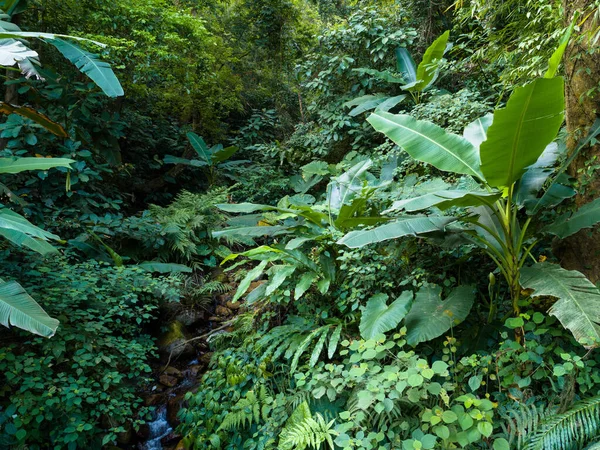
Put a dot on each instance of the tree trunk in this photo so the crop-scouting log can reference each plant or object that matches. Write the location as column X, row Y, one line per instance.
column 582, row 73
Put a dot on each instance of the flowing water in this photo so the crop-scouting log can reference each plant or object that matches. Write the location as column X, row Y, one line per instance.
column 159, row 428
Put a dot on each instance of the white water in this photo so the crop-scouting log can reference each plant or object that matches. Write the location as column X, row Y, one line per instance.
column 159, row 428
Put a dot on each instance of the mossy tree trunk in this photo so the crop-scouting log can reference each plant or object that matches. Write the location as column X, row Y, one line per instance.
column 582, row 72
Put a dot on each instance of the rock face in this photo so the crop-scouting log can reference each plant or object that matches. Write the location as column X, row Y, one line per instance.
column 189, row 317
column 167, row 380
column 173, row 341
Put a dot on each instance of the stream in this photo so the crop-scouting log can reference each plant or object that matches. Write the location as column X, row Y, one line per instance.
column 159, row 428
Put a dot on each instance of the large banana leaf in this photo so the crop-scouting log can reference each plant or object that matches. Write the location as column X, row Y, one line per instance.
column 404, row 226
column 223, row 154
column 36, row 116
column 18, row 309
column 556, row 57
column 170, row 159
column 570, row 223
column 341, row 190
column 17, row 165
column 377, row 317
column 161, row 267
column 536, row 175
column 446, row 199
column 200, row 147
column 23, row 240
column 89, row 64
column 427, row 71
column 476, row 132
column 429, row 143
column 406, row 65
column 13, row 52
column 520, row 132
column 431, row 317
column 12, row 221
column 578, row 304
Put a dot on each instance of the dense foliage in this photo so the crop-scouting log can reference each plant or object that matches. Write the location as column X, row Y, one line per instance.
column 350, row 216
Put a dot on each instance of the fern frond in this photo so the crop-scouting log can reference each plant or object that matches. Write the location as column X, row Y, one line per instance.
column 522, row 421
column 570, row 430
column 302, row 430
column 246, row 411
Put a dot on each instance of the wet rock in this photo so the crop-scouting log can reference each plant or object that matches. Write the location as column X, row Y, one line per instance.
column 173, row 372
column 126, row 436
column 170, row 440
column 174, row 405
column 233, row 306
column 143, row 433
column 174, row 341
column 223, row 311
column 189, row 317
column 167, row 380
column 153, row 400
column 195, row 370
column 216, row 319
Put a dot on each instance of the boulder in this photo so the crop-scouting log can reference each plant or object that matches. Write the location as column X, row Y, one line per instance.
column 168, row 380
column 173, row 372
column 233, row 306
column 189, row 316
column 174, row 405
column 204, row 360
column 174, row 341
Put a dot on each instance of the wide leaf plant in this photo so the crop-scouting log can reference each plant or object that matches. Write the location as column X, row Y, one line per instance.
column 509, row 159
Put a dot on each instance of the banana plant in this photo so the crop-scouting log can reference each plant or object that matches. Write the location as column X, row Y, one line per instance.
column 301, row 224
column 508, row 158
column 414, row 80
column 14, row 51
column 215, row 158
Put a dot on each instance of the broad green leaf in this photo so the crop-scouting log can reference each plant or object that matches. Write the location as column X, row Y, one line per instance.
column 200, row 147
column 223, row 154
column 578, row 304
column 23, row 240
column 429, row 143
column 12, row 221
column 306, row 281
column 446, row 199
column 314, row 357
column 18, row 309
column 302, row 348
column 390, row 102
column 476, row 132
column 344, row 188
column 35, row 116
column 279, row 273
column 403, row 226
column 89, row 64
column 160, row 267
column 570, row 223
column 429, row 66
column 248, row 279
column 431, row 317
column 378, row 318
column 17, row 165
column 406, row 65
column 251, row 231
column 556, row 57
column 244, row 207
column 521, row 131
column 536, row 175
column 365, row 103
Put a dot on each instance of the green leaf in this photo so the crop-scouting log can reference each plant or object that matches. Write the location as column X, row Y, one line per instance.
column 223, row 154
column 18, row 309
column 160, row 267
column 342, row 189
column 521, row 131
column 35, row 116
column 485, row 428
column 248, row 279
column 476, row 132
column 429, row 143
column 405, row 65
column 279, row 273
column 200, row 147
column 403, row 226
column 446, row 199
column 535, row 177
column 431, row 317
column 365, row 103
column 578, row 304
column 306, row 281
column 17, row 165
column 501, row 444
column 251, row 231
column 570, row 223
column 378, row 318
column 12, row 221
column 556, row 57
column 89, row 64
column 427, row 71
column 23, row 240
column 314, row 357
column 333, row 341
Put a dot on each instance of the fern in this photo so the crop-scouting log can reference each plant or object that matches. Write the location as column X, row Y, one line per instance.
column 570, row 430
column 302, row 430
column 521, row 422
column 295, row 339
column 247, row 411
